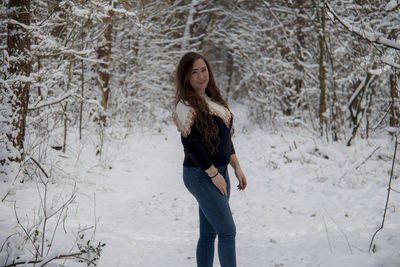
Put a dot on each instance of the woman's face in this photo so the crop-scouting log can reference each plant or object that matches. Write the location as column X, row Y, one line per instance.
column 199, row 76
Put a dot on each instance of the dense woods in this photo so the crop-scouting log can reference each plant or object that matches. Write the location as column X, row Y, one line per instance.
column 94, row 63
column 331, row 67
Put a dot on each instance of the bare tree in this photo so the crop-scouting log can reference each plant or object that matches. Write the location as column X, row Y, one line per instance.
column 375, row 28
column 394, row 96
column 322, row 71
column 18, row 48
column 104, row 55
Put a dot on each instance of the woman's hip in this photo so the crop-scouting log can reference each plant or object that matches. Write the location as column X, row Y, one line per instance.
column 197, row 180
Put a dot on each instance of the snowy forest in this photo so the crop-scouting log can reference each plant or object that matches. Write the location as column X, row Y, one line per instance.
column 91, row 162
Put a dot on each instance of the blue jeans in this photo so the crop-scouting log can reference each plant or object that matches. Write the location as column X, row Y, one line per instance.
column 215, row 217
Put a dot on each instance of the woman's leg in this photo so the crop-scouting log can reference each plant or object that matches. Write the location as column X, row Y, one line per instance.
column 217, row 214
column 205, row 245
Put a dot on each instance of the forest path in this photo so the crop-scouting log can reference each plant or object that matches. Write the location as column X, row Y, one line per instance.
column 298, row 210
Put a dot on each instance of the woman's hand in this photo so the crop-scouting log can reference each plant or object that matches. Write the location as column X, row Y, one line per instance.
column 241, row 177
column 238, row 172
column 220, row 183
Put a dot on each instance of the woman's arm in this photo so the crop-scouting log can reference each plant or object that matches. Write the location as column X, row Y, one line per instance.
column 234, row 162
column 217, row 180
column 194, row 148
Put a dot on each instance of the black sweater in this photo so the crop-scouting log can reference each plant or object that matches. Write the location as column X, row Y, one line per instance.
column 196, row 154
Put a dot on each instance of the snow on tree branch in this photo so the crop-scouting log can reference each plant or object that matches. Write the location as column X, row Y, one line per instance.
column 374, row 37
column 392, row 5
column 189, row 22
column 52, row 102
column 389, row 61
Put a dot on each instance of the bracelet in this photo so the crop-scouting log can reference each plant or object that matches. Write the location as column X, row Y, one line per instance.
column 212, row 176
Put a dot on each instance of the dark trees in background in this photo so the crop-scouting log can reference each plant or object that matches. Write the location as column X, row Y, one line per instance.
column 394, row 96
column 322, row 71
column 19, row 68
column 373, row 29
column 290, row 62
column 104, row 55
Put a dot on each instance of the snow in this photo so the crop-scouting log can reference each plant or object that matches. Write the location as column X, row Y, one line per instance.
column 51, row 101
column 308, row 202
column 392, row 5
column 186, row 34
column 381, row 70
column 390, row 61
column 372, row 36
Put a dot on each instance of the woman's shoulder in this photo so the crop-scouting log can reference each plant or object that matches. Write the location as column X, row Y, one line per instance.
column 182, row 106
column 183, row 117
column 220, row 111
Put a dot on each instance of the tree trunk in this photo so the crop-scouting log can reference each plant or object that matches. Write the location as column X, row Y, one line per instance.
column 64, row 146
column 393, row 121
column 360, row 103
column 187, row 34
column 299, row 25
column 104, row 54
column 18, row 48
column 229, row 71
column 82, row 76
column 82, row 96
column 322, row 75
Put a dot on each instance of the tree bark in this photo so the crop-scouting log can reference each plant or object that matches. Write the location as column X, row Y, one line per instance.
column 82, row 96
column 18, row 48
column 360, row 103
column 104, row 54
column 229, row 71
column 187, row 34
column 64, row 107
column 299, row 25
column 393, row 121
column 322, row 75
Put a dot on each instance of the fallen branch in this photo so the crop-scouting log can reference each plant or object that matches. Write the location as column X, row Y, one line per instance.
column 367, row 158
column 387, row 197
column 45, row 260
column 359, row 164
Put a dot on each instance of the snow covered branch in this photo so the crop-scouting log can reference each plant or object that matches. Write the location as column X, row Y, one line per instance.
column 45, row 260
column 189, row 22
column 374, row 37
column 392, row 5
column 390, row 62
column 55, row 101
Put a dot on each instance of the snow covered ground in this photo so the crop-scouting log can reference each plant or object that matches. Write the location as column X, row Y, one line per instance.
column 308, row 202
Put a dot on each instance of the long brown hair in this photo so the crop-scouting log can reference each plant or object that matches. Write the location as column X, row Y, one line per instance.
column 184, row 91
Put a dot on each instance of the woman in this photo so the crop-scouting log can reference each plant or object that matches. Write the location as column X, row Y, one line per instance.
column 205, row 123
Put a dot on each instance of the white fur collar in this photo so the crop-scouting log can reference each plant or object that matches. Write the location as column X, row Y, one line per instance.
column 184, row 115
